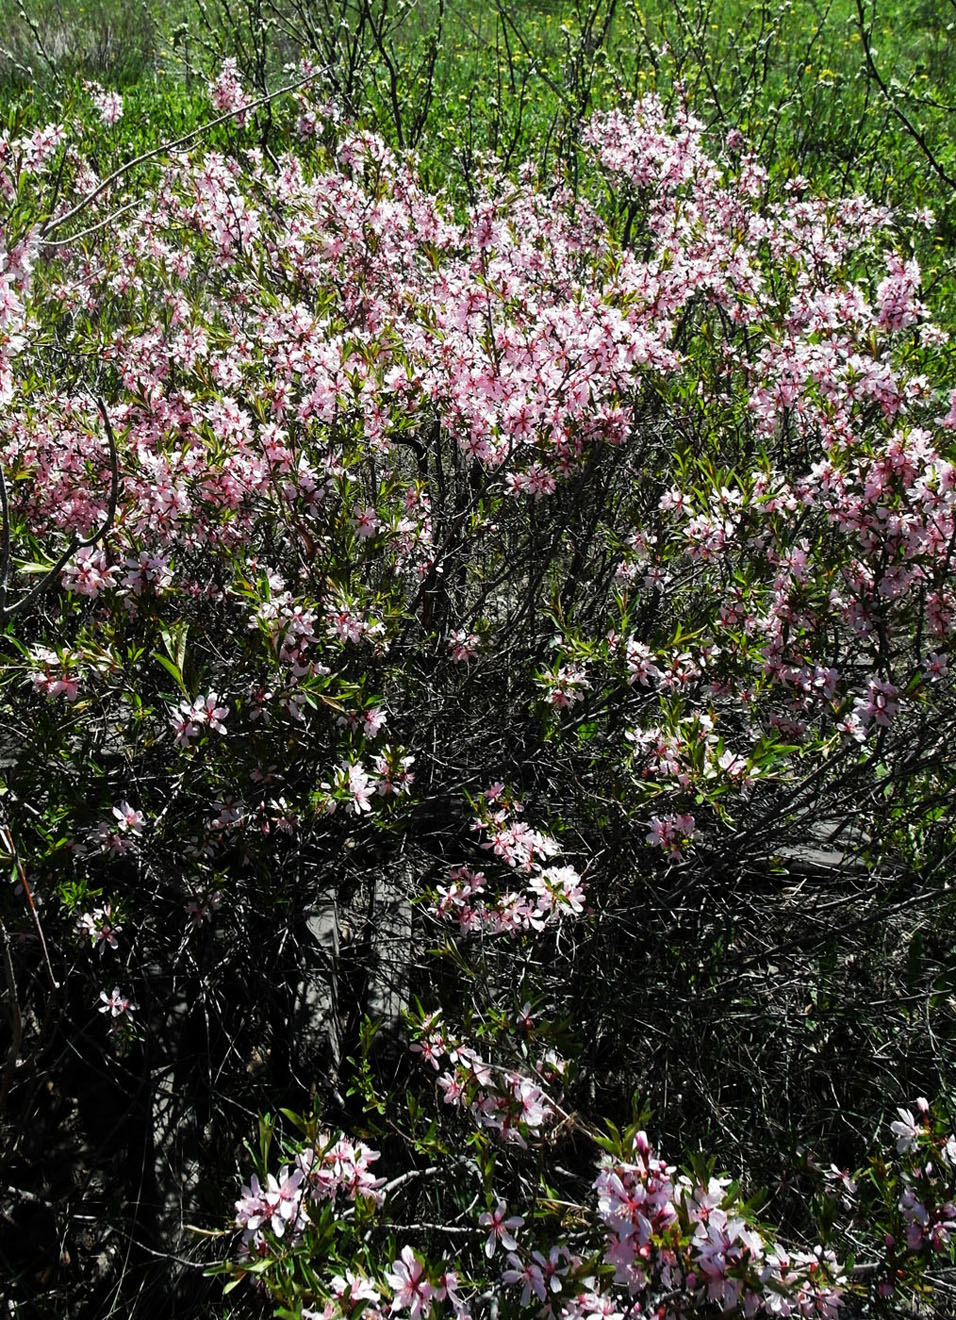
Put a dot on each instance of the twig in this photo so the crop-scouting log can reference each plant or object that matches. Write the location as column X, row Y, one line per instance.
column 174, row 145
column 100, row 224
column 16, row 1021
column 459, row 1230
column 18, row 865
column 408, row 1177
column 904, row 119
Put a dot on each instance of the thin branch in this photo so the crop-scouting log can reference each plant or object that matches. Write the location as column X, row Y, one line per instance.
column 7, row 840
column 16, row 1021
column 6, row 534
column 506, row 16
column 904, row 119
column 100, row 224
column 175, row 145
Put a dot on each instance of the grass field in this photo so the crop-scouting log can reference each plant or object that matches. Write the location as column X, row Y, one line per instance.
column 858, row 97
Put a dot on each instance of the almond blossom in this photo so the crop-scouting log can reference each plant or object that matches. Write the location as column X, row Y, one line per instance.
column 365, row 433
column 115, row 1003
column 501, row 1228
column 413, row 1291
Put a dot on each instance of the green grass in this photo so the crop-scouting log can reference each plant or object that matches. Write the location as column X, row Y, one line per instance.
column 460, row 79
column 515, row 78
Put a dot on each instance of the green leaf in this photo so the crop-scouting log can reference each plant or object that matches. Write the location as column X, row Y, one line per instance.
column 174, row 640
column 172, row 669
column 295, row 1119
column 33, row 568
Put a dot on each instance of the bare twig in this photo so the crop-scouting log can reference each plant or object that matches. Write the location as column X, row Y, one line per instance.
column 100, row 224
column 914, row 132
column 7, row 841
column 16, row 1021
column 175, row 145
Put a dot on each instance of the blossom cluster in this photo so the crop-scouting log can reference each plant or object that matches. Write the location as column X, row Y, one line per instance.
column 109, row 104
column 331, row 1171
column 499, row 1099
column 528, row 334
column 100, row 926
column 672, row 1244
column 668, row 1234
column 53, row 677
column 550, row 893
column 353, row 786
column 927, row 1203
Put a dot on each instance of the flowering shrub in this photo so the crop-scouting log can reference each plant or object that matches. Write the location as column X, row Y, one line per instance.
column 649, row 1238
column 373, row 498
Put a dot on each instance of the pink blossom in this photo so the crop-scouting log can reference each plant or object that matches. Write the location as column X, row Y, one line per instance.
column 672, row 833
column 413, row 1292
column 190, row 717
column 87, row 574
column 367, row 523
column 906, row 1130
column 101, row 928
column 283, row 1197
column 373, row 721
column 116, row 1004
column 879, row 705
column 128, row 819
column 226, row 91
column 351, row 1288
column 109, row 106
column 640, row 663
column 463, row 645
column 500, row 1227
column 529, row 1274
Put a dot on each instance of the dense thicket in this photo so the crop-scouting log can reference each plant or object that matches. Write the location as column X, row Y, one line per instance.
column 475, row 668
